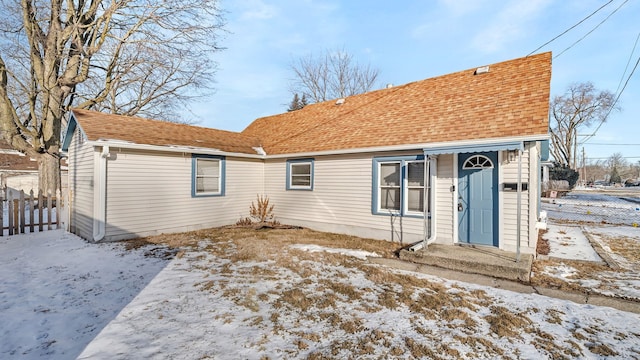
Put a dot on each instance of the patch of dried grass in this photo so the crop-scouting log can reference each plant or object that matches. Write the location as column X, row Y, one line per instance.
column 388, row 300
column 419, row 350
column 296, row 298
column 626, row 247
column 545, row 341
column 455, row 315
column 303, row 269
column 553, row 316
column 601, row 349
column 542, row 248
column 487, row 348
column 351, row 326
column 505, row 323
column 584, row 270
column 348, row 290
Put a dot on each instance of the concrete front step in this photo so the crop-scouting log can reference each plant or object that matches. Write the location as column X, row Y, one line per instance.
column 476, row 260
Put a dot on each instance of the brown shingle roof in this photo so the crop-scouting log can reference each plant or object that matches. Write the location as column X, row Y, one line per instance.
column 11, row 160
column 512, row 99
column 100, row 126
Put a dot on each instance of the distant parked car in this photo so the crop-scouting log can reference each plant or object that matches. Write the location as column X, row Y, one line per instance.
column 630, row 183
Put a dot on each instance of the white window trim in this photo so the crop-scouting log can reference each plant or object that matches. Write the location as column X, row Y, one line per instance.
column 376, row 198
column 407, row 187
column 380, row 187
column 220, row 176
column 294, row 162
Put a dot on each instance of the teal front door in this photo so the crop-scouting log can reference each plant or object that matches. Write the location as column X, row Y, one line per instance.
column 478, row 198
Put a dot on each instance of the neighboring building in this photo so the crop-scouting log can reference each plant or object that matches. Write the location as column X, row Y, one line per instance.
column 451, row 159
column 17, row 171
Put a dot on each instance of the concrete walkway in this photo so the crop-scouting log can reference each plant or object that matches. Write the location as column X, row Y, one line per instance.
column 593, row 299
column 484, row 260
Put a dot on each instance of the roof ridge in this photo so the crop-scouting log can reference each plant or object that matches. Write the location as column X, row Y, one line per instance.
column 167, row 122
column 337, row 116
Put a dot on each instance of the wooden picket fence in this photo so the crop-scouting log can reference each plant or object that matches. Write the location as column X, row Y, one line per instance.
column 19, row 211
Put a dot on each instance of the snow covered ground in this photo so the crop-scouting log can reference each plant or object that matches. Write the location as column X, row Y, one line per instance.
column 62, row 298
column 57, row 291
column 609, row 219
column 569, row 242
column 617, row 206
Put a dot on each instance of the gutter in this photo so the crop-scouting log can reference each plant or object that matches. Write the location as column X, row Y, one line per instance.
column 424, row 146
column 261, row 154
column 177, row 149
column 100, row 196
column 429, row 227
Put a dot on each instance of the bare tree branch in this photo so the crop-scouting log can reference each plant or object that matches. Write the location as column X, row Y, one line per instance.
column 130, row 57
column 581, row 106
column 333, row 74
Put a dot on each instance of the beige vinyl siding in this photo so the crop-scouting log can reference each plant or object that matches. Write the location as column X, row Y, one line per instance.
column 340, row 200
column 444, row 199
column 509, row 208
column 81, row 186
column 150, row 193
column 534, row 193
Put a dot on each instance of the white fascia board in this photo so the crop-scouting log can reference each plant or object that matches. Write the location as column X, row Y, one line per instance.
column 178, row 149
column 209, row 151
column 419, row 147
column 11, row 152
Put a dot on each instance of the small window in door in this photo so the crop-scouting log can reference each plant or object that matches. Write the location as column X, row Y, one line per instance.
column 478, row 162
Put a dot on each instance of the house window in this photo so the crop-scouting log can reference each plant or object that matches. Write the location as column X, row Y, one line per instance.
column 415, row 186
column 390, row 178
column 478, row 162
column 399, row 186
column 208, row 174
column 300, row 174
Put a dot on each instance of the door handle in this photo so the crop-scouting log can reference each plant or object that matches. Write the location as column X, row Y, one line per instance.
column 460, row 207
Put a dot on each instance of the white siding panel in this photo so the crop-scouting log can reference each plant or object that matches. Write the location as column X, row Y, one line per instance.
column 444, row 199
column 150, row 193
column 509, row 206
column 81, row 186
column 340, row 200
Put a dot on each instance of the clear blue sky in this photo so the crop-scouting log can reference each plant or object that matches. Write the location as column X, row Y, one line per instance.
column 415, row 40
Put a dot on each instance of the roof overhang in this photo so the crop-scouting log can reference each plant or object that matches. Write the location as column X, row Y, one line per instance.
column 444, row 148
column 68, row 134
column 474, row 148
column 120, row 144
column 170, row 148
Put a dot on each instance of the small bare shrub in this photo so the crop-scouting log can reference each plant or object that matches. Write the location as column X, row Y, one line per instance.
column 244, row 222
column 261, row 210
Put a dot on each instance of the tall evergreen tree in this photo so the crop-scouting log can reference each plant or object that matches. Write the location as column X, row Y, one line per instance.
column 297, row 103
column 615, row 176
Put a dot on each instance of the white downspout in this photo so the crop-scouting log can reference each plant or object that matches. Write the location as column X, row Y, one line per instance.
column 519, row 205
column 428, row 235
column 100, row 197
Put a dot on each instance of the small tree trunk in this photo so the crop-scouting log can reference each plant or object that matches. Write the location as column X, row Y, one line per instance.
column 48, row 173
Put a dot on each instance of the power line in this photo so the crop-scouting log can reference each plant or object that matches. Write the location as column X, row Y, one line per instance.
column 628, row 62
column 609, row 144
column 619, row 93
column 614, row 102
column 606, row 158
column 592, row 30
column 569, row 29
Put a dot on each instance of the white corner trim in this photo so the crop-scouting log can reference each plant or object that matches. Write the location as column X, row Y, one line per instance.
column 100, row 194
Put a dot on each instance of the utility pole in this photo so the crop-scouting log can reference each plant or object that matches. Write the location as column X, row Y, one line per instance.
column 584, row 167
column 575, row 149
